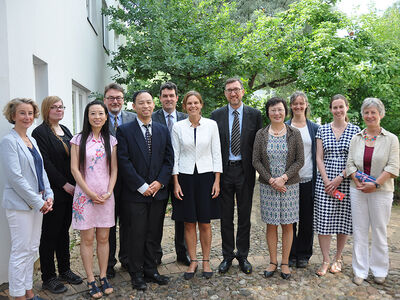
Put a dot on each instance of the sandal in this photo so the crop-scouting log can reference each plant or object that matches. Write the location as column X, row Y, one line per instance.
column 94, row 290
column 190, row 275
column 207, row 275
column 323, row 269
column 285, row 276
column 106, row 287
column 267, row 273
column 336, row 267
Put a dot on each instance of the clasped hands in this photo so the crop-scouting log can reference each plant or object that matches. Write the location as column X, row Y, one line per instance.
column 278, row 184
column 153, row 188
column 331, row 185
column 47, row 206
column 365, row 187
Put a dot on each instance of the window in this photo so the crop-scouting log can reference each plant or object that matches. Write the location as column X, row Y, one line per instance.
column 91, row 14
column 79, row 101
column 105, row 22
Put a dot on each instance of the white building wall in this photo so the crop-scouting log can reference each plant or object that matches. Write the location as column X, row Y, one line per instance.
column 58, row 33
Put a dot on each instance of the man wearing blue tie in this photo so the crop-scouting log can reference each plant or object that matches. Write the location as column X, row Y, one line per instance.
column 168, row 115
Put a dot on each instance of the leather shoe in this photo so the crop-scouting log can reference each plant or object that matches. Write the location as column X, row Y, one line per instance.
column 268, row 274
column 138, row 283
column 183, row 259
column 292, row 262
column 54, row 286
column 285, row 276
column 110, row 273
column 125, row 266
column 224, row 266
column 245, row 266
column 70, row 277
column 157, row 278
column 301, row 263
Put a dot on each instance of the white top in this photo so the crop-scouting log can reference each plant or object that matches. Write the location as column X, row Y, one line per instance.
column 205, row 154
column 306, row 172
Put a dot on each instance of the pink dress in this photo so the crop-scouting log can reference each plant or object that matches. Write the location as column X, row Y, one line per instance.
column 85, row 213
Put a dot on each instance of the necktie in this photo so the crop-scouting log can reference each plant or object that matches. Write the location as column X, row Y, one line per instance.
column 148, row 137
column 169, row 123
column 235, row 134
column 115, row 123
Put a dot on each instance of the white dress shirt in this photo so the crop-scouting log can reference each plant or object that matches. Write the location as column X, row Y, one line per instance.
column 205, row 154
column 174, row 117
column 145, row 185
column 231, row 117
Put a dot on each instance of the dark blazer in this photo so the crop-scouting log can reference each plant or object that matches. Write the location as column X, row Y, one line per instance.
column 294, row 158
column 57, row 162
column 126, row 116
column 158, row 116
column 312, row 130
column 135, row 165
column 251, row 123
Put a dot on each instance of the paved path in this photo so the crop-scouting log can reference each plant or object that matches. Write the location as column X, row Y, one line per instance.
column 304, row 284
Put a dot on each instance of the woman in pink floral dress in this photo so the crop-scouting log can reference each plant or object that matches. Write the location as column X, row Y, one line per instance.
column 94, row 167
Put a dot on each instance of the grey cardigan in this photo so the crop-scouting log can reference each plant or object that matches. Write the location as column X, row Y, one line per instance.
column 294, row 159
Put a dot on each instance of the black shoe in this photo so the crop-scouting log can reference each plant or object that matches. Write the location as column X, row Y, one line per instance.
column 110, row 273
column 225, row 265
column 54, row 286
column 190, row 275
column 292, row 262
column 207, row 275
column 245, row 266
column 138, row 282
column 285, row 276
column 268, row 274
column 157, row 278
column 183, row 259
column 124, row 266
column 70, row 277
column 301, row 263
column 158, row 261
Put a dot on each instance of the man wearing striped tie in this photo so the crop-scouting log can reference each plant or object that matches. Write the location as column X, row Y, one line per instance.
column 237, row 125
column 168, row 115
column 114, row 100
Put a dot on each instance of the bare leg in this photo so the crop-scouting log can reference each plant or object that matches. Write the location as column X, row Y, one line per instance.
column 341, row 242
column 287, row 238
column 87, row 238
column 205, row 241
column 191, row 242
column 324, row 243
column 272, row 241
column 102, row 252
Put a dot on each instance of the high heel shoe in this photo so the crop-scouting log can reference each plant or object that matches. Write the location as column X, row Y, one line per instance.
column 336, row 267
column 268, row 274
column 207, row 275
column 190, row 275
column 285, row 276
column 323, row 269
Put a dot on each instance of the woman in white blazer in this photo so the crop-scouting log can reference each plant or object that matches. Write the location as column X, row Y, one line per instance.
column 27, row 195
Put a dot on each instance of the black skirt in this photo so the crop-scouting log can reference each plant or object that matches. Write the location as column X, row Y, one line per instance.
column 197, row 204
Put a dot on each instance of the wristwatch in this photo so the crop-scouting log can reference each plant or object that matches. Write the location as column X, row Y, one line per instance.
column 377, row 185
column 341, row 174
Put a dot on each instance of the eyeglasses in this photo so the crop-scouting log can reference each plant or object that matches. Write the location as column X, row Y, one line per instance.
column 55, row 107
column 235, row 90
column 111, row 98
column 274, row 111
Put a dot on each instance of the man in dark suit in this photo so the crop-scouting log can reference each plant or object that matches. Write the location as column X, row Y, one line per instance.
column 145, row 161
column 238, row 125
column 169, row 116
column 114, row 100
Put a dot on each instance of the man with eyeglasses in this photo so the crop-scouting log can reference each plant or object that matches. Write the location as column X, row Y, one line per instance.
column 168, row 116
column 238, row 125
column 114, row 100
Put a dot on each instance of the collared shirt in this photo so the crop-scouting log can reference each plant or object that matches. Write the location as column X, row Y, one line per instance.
column 204, row 154
column 384, row 158
column 231, row 116
column 112, row 118
column 174, row 117
column 145, row 186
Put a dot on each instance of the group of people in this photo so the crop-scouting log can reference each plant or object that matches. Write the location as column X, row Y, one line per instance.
column 124, row 167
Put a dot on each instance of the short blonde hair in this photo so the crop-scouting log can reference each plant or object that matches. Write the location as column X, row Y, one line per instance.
column 46, row 106
column 11, row 108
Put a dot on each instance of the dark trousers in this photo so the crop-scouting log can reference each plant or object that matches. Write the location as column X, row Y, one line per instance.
column 55, row 239
column 180, row 246
column 143, row 222
column 235, row 183
column 112, row 239
column 302, row 246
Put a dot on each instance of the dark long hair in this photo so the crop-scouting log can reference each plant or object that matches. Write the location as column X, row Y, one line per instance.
column 87, row 130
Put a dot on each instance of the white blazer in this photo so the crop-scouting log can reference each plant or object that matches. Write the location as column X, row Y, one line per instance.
column 21, row 190
column 205, row 154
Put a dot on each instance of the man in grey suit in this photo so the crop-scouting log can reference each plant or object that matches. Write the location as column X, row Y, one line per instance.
column 168, row 115
column 237, row 125
column 114, row 100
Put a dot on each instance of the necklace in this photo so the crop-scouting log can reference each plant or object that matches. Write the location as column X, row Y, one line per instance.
column 372, row 138
column 277, row 133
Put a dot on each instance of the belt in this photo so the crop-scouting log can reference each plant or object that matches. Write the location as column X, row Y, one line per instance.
column 234, row 162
